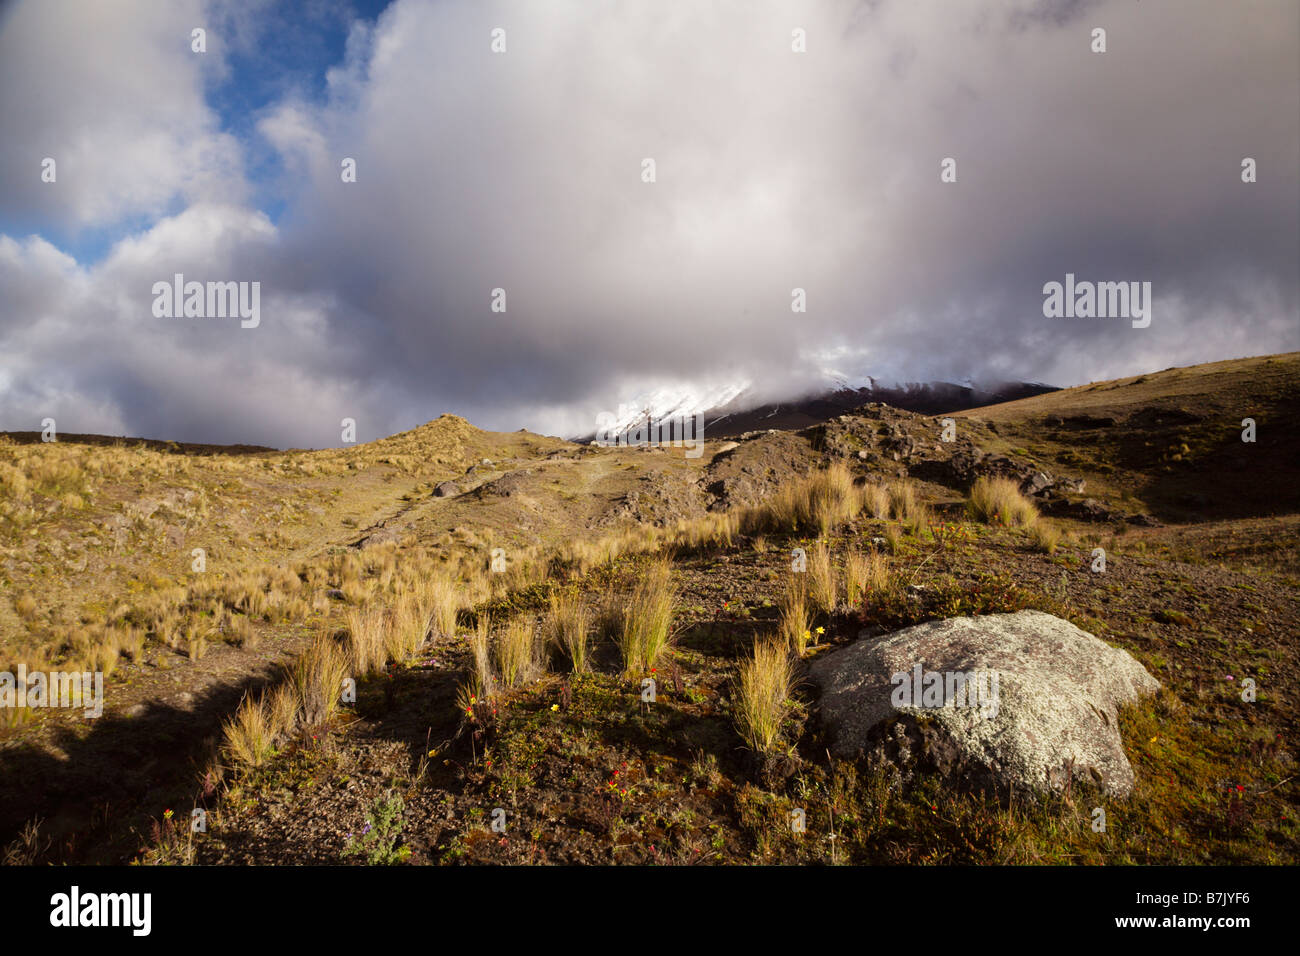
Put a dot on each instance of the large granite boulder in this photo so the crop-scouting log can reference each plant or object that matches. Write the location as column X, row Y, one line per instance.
column 1022, row 701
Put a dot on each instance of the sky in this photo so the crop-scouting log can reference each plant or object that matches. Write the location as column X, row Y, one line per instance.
column 796, row 144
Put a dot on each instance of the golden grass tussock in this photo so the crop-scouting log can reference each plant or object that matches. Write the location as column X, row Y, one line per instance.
column 867, row 576
column 999, row 501
column 822, row 585
column 820, row 502
column 903, row 499
column 367, row 640
column 763, row 692
column 1045, row 536
column 568, row 628
column 443, row 599
column 793, row 605
column 317, row 677
column 408, row 626
column 831, row 499
column 483, row 682
column 518, row 653
column 249, row 736
column 647, row 620
column 875, row 500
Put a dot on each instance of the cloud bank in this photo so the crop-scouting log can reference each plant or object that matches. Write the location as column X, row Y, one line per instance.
column 523, row 171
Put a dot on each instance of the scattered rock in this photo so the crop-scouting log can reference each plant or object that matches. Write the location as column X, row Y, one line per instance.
column 448, row 489
column 508, row 485
column 1036, row 483
column 1047, row 712
column 1089, row 509
column 1143, row 521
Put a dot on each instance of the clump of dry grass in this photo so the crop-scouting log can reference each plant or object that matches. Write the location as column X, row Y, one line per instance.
column 238, row 630
column 795, row 626
column 1045, row 536
column 822, row 590
column 283, row 710
column 483, row 682
column 367, row 640
column 763, row 695
column 822, row 501
column 444, row 600
column 317, row 679
column 831, row 498
column 918, row 520
column 518, row 654
column 408, row 627
column 893, row 540
column 249, row 736
column 646, row 630
column 712, row 531
column 999, row 501
column 879, row 582
column 196, row 642
column 903, row 500
column 855, row 575
column 26, row 606
column 875, row 499
column 569, row 629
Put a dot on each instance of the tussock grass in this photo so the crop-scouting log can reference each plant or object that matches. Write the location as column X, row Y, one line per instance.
column 823, row 592
column 831, row 498
column 713, row 531
column 408, row 627
column 875, row 500
column 820, row 502
column 1045, row 536
column 999, row 501
column 518, row 656
column 856, row 566
column 568, row 628
column 874, row 580
column 483, row 682
column 317, row 679
column 239, row 631
column 249, row 736
column 918, row 520
column 26, row 606
column 893, row 539
column 903, row 500
column 763, row 695
column 795, row 626
column 283, row 710
column 444, row 601
column 367, row 640
column 646, row 630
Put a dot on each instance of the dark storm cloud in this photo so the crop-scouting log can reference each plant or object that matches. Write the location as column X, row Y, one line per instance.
column 775, row 170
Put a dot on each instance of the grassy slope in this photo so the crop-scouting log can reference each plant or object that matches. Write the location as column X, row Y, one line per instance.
column 1195, row 601
column 1171, row 440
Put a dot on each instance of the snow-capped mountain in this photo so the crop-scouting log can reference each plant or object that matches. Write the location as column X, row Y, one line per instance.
column 733, row 408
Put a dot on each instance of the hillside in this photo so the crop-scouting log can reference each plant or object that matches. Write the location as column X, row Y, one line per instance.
column 418, row 541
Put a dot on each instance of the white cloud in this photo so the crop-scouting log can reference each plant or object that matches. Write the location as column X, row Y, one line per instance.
column 775, row 170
